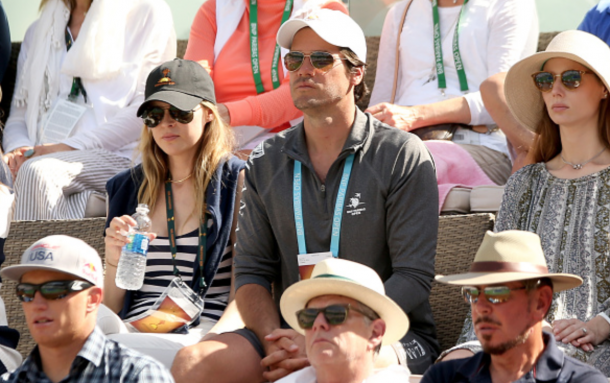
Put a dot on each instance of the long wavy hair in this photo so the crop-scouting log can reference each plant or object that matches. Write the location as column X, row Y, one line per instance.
column 215, row 145
column 547, row 144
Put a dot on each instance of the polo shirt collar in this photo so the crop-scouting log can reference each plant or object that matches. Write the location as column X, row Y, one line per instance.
column 548, row 367
column 295, row 145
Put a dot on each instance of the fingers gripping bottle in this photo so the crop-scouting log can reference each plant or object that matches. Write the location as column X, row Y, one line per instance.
column 132, row 264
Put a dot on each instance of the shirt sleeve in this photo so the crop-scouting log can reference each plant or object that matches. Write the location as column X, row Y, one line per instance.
column 200, row 46
column 260, row 263
column 414, row 185
column 386, row 59
column 513, row 35
column 15, row 131
column 157, row 45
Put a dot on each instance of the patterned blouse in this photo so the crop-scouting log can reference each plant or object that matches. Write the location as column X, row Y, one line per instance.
column 572, row 217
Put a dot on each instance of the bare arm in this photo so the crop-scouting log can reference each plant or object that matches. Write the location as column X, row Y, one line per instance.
column 258, row 310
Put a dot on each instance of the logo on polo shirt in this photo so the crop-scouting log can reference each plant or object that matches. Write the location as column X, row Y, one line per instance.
column 165, row 80
column 356, row 205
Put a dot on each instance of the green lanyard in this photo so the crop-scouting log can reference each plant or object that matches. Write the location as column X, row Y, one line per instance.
column 77, row 84
column 171, row 232
column 275, row 78
column 438, row 50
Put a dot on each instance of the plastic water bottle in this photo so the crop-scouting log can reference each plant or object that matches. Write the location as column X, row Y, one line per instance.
column 132, row 264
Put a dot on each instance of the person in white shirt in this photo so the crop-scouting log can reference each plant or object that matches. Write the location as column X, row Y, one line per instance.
column 80, row 80
column 346, row 317
column 426, row 85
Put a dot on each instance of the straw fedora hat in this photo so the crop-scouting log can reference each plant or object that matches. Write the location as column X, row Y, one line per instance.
column 510, row 256
column 524, row 99
column 350, row 279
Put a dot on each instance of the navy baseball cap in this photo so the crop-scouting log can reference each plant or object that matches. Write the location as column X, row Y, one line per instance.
column 181, row 83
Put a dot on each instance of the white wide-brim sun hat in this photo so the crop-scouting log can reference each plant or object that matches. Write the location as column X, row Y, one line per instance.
column 525, row 100
column 350, row 279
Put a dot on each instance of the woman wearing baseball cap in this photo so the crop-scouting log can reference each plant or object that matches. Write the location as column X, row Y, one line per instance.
column 190, row 180
column 561, row 94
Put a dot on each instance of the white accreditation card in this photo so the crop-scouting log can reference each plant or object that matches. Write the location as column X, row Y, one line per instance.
column 61, row 121
column 308, row 261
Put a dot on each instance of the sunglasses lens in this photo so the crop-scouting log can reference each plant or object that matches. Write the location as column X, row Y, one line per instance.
column 153, row 116
column 571, row 79
column 322, row 60
column 55, row 290
column 497, row 294
column 335, row 314
column 293, row 60
column 306, row 317
column 25, row 292
column 470, row 294
column 180, row 115
column 544, row 81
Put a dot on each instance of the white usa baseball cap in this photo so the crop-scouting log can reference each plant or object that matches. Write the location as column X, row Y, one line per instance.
column 334, row 27
column 59, row 253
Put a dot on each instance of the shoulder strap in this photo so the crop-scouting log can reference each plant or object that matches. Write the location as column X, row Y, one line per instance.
column 402, row 23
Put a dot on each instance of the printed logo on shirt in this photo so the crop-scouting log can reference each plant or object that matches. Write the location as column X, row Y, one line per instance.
column 258, row 152
column 166, row 80
column 356, row 205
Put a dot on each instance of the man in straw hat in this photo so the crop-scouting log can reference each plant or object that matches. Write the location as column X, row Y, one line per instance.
column 510, row 291
column 60, row 284
column 344, row 329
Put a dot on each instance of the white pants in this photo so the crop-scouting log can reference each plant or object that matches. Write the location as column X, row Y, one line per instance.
column 162, row 347
column 58, row 185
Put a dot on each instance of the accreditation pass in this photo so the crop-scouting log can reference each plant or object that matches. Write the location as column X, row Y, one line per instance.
column 61, row 121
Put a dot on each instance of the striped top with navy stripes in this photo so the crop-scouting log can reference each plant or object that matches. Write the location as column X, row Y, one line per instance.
column 159, row 273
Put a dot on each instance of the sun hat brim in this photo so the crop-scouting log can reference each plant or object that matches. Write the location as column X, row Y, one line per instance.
column 15, row 272
column 524, row 99
column 560, row 281
column 296, row 297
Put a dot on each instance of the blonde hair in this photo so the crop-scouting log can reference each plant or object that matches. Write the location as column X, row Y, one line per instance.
column 215, row 145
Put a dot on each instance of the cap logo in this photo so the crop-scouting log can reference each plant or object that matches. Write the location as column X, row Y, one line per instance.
column 41, row 255
column 313, row 17
column 45, row 246
column 90, row 271
column 165, row 80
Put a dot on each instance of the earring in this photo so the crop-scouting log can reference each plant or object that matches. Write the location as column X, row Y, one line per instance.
column 605, row 95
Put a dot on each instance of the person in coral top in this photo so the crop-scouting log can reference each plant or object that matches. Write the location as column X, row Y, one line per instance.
column 220, row 40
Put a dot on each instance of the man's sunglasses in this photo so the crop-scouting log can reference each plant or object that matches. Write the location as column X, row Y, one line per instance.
column 570, row 79
column 50, row 290
column 334, row 315
column 154, row 115
column 321, row 60
column 493, row 294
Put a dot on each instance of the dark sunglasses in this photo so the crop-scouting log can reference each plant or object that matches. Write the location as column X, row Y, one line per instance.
column 493, row 294
column 50, row 290
column 334, row 315
column 319, row 59
column 154, row 115
column 570, row 79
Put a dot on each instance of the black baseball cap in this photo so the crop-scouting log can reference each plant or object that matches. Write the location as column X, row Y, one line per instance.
column 181, row 83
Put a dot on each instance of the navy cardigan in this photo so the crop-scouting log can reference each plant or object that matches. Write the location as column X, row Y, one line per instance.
column 220, row 197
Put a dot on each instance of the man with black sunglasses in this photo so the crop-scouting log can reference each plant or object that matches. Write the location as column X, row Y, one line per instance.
column 340, row 184
column 60, row 284
column 345, row 316
column 510, row 290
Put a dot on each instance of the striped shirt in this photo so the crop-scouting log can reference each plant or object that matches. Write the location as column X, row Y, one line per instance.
column 159, row 273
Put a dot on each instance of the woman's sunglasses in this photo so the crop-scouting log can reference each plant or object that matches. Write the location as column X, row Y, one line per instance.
column 50, row 290
column 154, row 115
column 493, row 294
column 334, row 315
column 570, row 79
column 319, row 59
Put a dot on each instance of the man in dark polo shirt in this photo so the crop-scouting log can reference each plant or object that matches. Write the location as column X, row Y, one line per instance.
column 510, row 291
column 340, row 184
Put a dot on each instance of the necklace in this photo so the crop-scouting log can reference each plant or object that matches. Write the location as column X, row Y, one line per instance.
column 579, row 166
column 182, row 180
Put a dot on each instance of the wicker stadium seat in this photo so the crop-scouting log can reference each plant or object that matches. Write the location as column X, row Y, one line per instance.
column 459, row 237
column 23, row 234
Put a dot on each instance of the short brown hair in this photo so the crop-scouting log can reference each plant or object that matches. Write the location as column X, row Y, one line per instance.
column 352, row 62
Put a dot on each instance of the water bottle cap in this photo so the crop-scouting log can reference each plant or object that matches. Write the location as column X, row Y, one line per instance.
column 142, row 207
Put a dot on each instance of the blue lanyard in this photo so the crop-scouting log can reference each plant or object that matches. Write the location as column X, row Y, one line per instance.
column 297, row 199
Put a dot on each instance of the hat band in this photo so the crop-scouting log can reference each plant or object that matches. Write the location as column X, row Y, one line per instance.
column 503, row 267
column 333, row 276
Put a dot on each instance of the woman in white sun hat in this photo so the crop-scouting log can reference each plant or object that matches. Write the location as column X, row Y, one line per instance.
column 562, row 95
